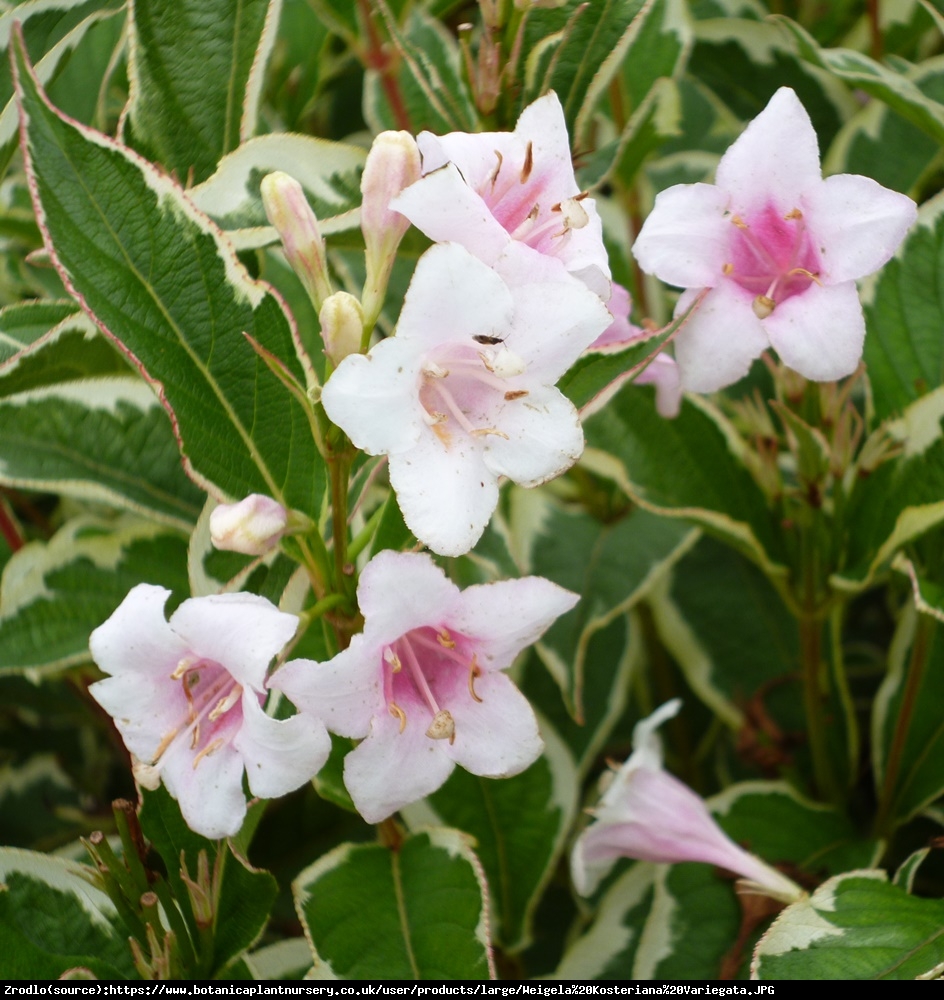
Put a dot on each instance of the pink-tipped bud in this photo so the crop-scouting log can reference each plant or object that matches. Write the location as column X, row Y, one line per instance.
column 253, row 526
column 288, row 210
column 393, row 164
column 342, row 326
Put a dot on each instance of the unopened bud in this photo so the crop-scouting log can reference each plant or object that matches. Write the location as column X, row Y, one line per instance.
column 393, row 164
column 538, row 4
column 253, row 526
column 288, row 210
column 342, row 326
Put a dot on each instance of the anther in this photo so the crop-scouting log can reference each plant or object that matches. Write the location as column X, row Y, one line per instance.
column 494, row 175
column 516, row 394
column 763, row 306
column 794, row 213
column 445, row 639
column 397, row 713
column 727, row 269
column 206, row 751
column 473, row 673
column 486, row 431
column 528, row 163
column 443, row 727
column 391, row 657
column 225, row 703
column 738, row 221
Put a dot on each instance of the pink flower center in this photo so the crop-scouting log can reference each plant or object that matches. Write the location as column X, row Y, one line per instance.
column 463, row 385
column 422, row 671
column 519, row 199
column 214, row 708
column 772, row 256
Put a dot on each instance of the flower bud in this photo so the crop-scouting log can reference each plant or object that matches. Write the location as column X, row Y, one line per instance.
column 253, row 526
column 393, row 164
column 342, row 326
column 288, row 210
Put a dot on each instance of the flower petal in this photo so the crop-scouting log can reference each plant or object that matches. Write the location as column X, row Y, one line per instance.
column 819, row 333
column 401, row 591
column 685, row 239
column 374, row 398
column 241, row 632
column 390, row 769
column 775, row 157
column 211, row 794
column 498, row 737
column 344, row 692
column 507, row 616
column 444, row 207
column 446, row 495
column 544, row 438
column 279, row 755
column 857, row 224
column 720, row 340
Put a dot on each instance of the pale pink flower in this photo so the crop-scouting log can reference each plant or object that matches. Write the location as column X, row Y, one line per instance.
column 780, row 249
column 253, row 526
column 662, row 371
column 648, row 814
column 464, row 393
column 187, row 695
column 423, row 684
column 488, row 189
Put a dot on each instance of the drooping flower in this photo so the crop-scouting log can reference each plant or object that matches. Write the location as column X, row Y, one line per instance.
column 648, row 814
column 464, row 393
column 780, row 249
column 486, row 190
column 187, row 695
column 423, row 685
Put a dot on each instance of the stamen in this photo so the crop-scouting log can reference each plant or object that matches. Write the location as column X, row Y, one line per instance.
column 419, row 678
column 493, row 177
column 443, row 727
column 808, row 274
column 739, row 222
column 397, row 713
column 474, row 672
column 195, row 737
column 515, row 394
column 391, row 657
column 727, row 269
column 432, row 370
column 486, row 431
column 528, row 163
column 575, row 215
column 524, row 227
column 185, row 664
column 794, row 213
column 225, row 703
column 763, row 306
column 207, row 750
column 445, row 639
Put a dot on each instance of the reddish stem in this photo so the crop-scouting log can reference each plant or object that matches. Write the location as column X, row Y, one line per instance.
column 9, row 527
column 377, row 58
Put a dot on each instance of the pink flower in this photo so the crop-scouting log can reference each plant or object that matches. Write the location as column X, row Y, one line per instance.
column 779, row 248
column 423, row 686
column 488, row 189
column 464, row 393
column 648, row 814
column 186, row 696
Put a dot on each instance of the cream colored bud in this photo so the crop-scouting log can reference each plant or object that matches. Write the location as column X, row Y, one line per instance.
column 253, row 526
column 342, row 326
column 288, row 211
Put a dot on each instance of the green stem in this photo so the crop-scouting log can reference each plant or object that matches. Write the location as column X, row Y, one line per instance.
column 811, row 627
column 917, row 665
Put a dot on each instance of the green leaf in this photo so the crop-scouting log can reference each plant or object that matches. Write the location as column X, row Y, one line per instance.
column 907, row 727
column 53, row 920
column 519, row 826
column 52, row 29
column 857, row 70
column 418, row 911
column 432, row 92
column 329, row 173
column 105, row 439
column 54, row 594
column 660, row 40
column 904, row 313
column 45, row 342
column 158, row 277
column 39, row 803
column 195, row 71
column 856, row 926
column 576, row 50
column 687, row 468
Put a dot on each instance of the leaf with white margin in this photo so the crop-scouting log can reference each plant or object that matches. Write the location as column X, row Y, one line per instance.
column 161, row 280
column 329, row 173
column 52, row 30
column 53, row 919
column 285, row 960
column 856, row 926
column 46, row 342
column 901, row 499
column 102, row 439
column 416, row 911
column 519, row 826
column 39, row 803
column 195, row 73
column 54, row 594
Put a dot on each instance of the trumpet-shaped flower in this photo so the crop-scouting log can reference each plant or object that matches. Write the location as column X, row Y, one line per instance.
column 779, row 247
column 488, row 189
column 422, row 686
column 648, row 814
column 464, row 393
column 187, row 694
